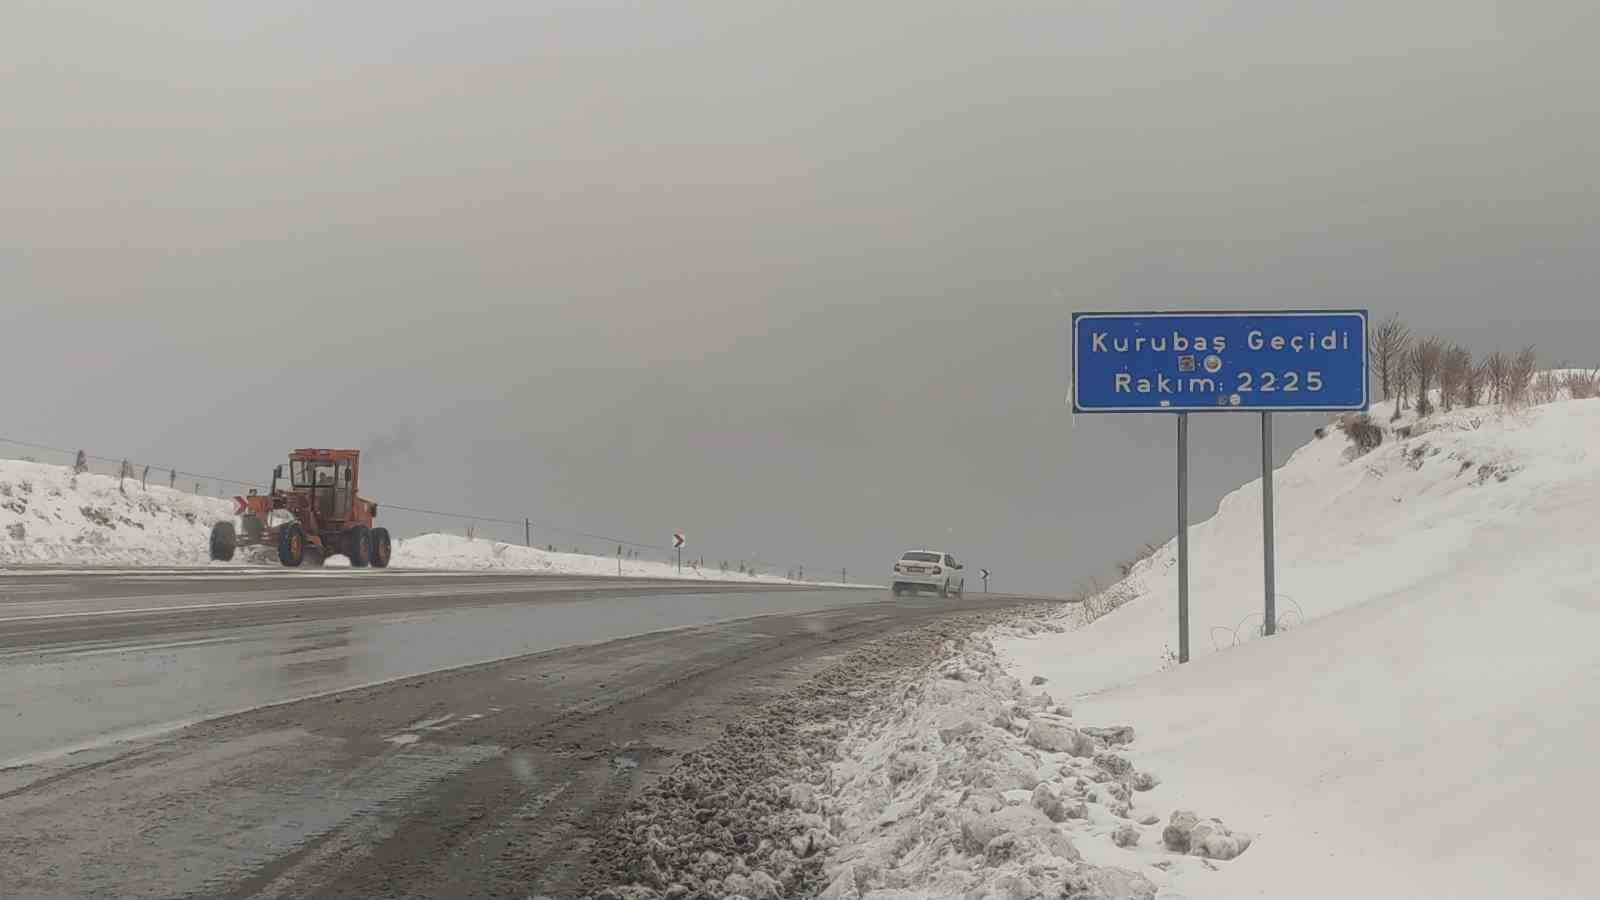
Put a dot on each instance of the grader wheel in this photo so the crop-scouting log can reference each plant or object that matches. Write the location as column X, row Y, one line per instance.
column 291, row 544
column 224, row 541
column 358, row 546
column 380, row 548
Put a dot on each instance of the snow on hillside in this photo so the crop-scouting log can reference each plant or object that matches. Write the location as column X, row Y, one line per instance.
column 1426, row 723
column 448, row 551
column 48, row 514
column 51, row 516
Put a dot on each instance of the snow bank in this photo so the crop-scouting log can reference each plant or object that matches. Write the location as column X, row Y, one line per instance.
column 448, row 551
column 969, row 784
column 1426, row 724
column 51, row 516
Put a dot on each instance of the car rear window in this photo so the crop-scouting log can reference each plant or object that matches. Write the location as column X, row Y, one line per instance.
column 921, row 557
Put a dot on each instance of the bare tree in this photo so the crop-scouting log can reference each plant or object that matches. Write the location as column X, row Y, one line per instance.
column 1387, row 350
column 1519, row 378
column 1454, row 370
column 1496, row 377
column 1427, row 357
column 1477, row 384
column 1405, row 372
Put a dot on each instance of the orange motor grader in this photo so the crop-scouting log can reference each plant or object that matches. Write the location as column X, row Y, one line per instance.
column 320, row 510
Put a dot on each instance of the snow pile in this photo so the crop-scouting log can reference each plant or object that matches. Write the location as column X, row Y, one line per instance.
column 49, row 514
column 753, row 814
column 1424, row 725
column 970, row 785
column 448, row 551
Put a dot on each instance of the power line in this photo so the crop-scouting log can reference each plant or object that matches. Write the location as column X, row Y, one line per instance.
column 108, row 459
column 544, row 526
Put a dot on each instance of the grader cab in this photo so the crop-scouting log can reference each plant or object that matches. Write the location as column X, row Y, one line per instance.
column 320, row 510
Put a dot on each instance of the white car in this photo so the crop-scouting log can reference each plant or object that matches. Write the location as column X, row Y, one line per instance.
column 929, row 570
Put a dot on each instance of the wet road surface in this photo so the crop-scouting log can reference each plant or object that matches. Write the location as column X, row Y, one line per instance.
column 348, row 750
column 90, row 659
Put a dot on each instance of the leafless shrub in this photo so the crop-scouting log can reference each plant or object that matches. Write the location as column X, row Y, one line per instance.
column 1472, row 389
column 1546, row 388
column 471, row 531
column 1387, row 349
column 1365, row 435
column 1096, row 603
column 1145, row 552
column 1427, row 357
column 1454, row 369
column 1582, row 385
column 1519, row 378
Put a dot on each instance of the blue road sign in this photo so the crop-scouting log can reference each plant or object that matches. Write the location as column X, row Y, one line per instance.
column 1219, row 361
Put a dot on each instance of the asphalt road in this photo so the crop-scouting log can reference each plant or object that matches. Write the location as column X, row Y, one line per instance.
column 359, row 734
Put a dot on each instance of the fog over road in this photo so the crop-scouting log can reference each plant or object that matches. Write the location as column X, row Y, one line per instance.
column 263, row 733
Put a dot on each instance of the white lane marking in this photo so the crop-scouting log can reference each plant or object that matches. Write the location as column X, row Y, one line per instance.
column 120, row 649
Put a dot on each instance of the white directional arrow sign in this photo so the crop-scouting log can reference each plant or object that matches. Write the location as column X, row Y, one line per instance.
column 985, row 572
column 677, row 540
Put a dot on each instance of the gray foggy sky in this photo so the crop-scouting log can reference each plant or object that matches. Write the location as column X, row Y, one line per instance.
column 794, row 278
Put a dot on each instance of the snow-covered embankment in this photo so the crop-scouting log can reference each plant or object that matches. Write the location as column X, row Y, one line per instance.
column 1425, row 724
column 50, row 515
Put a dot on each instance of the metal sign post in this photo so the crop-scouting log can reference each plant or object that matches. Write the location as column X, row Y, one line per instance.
column 1237, row 361
column 1268, row 562
column 985, row 574
column 1183, row 537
